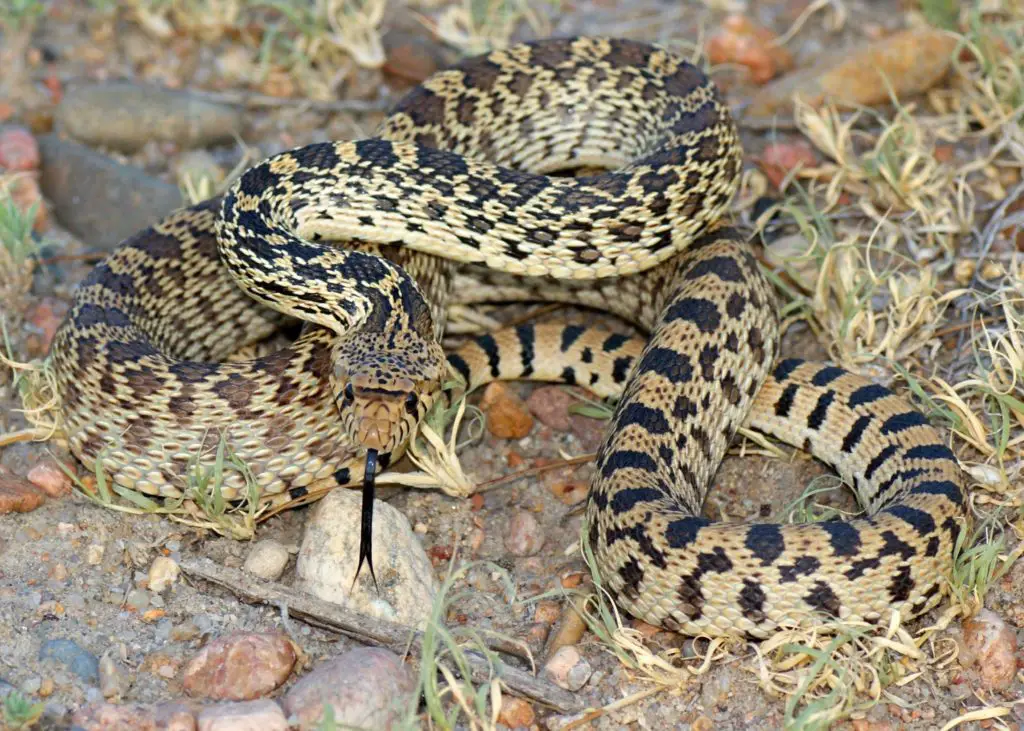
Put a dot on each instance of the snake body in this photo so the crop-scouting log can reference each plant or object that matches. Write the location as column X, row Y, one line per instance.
column 455, row 200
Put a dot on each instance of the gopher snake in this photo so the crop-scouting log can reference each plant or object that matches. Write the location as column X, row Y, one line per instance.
column 456, row 194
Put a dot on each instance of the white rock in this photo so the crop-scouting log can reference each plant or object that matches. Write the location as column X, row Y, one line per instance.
column 330, row 553
column 261, row 715
column 162, row 573
column 567, row 668
column 267, row 559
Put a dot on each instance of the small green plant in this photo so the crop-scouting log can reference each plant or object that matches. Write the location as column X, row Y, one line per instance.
column 20, row 712
column 16, row 228
column 978, row 562
column 446, row 683
column 944, row 14
column 18, row 15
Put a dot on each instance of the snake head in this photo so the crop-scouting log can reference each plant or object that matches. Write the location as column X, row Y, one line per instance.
column 384, row 389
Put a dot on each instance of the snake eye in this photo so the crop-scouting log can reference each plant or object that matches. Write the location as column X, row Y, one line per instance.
column 350, row 394
column 411, row 402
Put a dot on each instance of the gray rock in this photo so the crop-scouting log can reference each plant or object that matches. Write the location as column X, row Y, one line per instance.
column 368, row 687
column 78, row 660
column 329, row 556
column 124, row 116
column 98, row 199
column 267, row 559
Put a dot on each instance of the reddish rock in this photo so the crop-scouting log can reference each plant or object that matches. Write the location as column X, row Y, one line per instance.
column 50, row 478
column 44, row 316
column 992, row 645
column 410, row 57
column 904, row 63
column 570, row 493
column 18, row 495
column 111, row 717
column 507, row 416
column 550, row 404
column 546, row 611
column 741, row 41
column 515, row 712
column 589, row 431
column 240, row 666
column 567, row 669
column 368, row 687
column 524, row 537
column 780, row 158
column 19, row 151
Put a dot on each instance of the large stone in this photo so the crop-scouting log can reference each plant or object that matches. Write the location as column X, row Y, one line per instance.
column 98, row 199
column 123, row 115
column 329, row 555
column 368, row 687
column 240, row 666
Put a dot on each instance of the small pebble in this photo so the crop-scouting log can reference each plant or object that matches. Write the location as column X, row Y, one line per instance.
column 115, row 679
column 779, row 158
column 31, row 686
column 570, row 493
column 261, row 715
column 524, row 536
column 81, row 662
column 187, row 630
column 515, row 712
column 240, row 666
column 267, row 559
column 546, row 611
column 567, row 668
column 18, row 495
column 162, row 573
column 550, row 404
column 992, row 645
column 47, row 476
column 137, row 599
column 19, row 151
column 507, row 415
column 743, row 42
column 94, row 554
column 368, row 687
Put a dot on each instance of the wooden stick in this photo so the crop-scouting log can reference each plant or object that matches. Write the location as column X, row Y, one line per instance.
column 396, row 637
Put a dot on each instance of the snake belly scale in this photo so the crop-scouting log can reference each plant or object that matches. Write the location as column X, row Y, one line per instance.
column 455, row 200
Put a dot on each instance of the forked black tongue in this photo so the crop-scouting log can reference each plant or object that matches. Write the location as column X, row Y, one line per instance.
column 366, row 523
